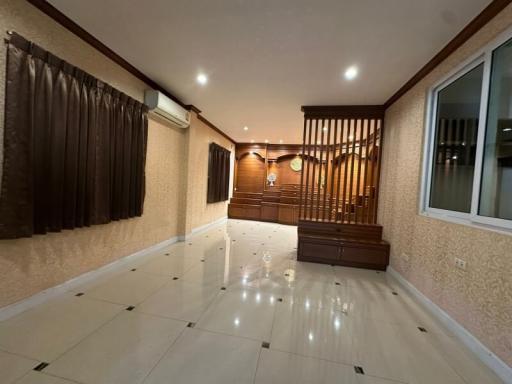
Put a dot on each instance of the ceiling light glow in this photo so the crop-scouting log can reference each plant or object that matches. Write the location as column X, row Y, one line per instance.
column 202, row 79
column 266, row 141
column 246, row 128
column 351, row 73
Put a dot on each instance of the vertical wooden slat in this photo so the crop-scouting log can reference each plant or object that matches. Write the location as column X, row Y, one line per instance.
column 334, row 144
column 314, row 172
column 308, row 161
column 372, row 171
column 340, row 154
column 320, row 171
column 365, row 210
column 380, row 122
column 353, row 123
column 302, row 168
column 326, row 177
column 347, row 150
column 359, row 135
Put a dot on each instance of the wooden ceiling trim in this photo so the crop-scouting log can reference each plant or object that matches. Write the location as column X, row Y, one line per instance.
column 76, row 29
column 473, row 27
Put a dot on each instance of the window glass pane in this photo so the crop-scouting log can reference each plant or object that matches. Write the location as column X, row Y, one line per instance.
column 496, row 187
column 453, row 164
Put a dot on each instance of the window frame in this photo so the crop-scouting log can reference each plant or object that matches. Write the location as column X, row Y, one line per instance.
column 483, row 56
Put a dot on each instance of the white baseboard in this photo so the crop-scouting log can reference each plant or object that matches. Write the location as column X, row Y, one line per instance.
column 483, row 353
column 40, row 297
column 203, row 228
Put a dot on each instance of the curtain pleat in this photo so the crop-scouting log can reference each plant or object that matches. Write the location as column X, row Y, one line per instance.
column 74, row 147
column 218, row 174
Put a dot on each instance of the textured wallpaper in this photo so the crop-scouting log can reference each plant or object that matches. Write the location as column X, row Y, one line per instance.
column 198, row 212
column 423, row 249
column 28, row 266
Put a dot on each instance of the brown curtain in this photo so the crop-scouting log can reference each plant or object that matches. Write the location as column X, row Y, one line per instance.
column 218, row 174
column 74, row 147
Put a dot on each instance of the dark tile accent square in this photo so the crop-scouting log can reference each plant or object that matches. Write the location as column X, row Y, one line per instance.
column 79, row 294
column 287, row 274
column 191, row 325
column 280, row 299
column 189, row 243
column 359, row 370
column 337, row 283
column 41, row 366
column 134, row 269
column 422, row 329
column 202, row 260
column 222, row 288
column 166, row 254
column 221, row 249
column 130, row 308
column 175, row 278
column 395, row 293
column 254, row 253
column 265, row 344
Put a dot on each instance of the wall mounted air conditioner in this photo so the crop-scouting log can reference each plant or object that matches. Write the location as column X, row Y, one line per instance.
column 163, row 106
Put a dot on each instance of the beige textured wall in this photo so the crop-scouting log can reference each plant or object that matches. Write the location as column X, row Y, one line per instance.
column 28, row 266
column 423, row 249
column 198, row 212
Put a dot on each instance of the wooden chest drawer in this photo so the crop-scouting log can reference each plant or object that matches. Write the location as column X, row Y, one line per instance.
column 313, row 250
column 364, row 255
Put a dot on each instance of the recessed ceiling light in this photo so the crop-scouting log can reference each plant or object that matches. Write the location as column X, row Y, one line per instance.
column 266, row 140
column 351, row 73
column 246, row 128
column 252, row 141
column 202, row 79
column 281, row 141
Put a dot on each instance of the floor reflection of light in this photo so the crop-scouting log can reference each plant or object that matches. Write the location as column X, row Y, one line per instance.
column 267, row 258
column 258, row 298
column 345, row 308
column 244, row 295
column 307, row 304
column 237, row 321
column 310, row 336
column 289, row 275
column 272, row 299
column 337, row 323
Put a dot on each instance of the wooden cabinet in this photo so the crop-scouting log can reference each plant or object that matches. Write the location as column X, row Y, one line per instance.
column 343, row 244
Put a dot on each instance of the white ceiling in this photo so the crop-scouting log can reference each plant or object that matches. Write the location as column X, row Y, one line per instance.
column 266, row 58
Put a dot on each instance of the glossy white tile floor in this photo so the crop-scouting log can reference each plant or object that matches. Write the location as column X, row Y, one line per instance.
column 232, row 305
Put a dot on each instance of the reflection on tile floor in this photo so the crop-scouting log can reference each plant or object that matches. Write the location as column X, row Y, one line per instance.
column 232, row 305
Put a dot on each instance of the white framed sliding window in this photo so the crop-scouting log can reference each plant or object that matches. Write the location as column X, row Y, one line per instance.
column 467, row 174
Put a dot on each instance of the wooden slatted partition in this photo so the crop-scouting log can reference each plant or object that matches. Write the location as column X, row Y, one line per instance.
column 341, row 152
column 339, row 187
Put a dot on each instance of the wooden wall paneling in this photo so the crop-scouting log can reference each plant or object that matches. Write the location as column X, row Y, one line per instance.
column 353, row 124
column 345, row 172
column 251, row 173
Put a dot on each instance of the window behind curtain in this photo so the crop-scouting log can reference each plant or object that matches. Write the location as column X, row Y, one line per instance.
column 74, row 147
column 218, row 173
